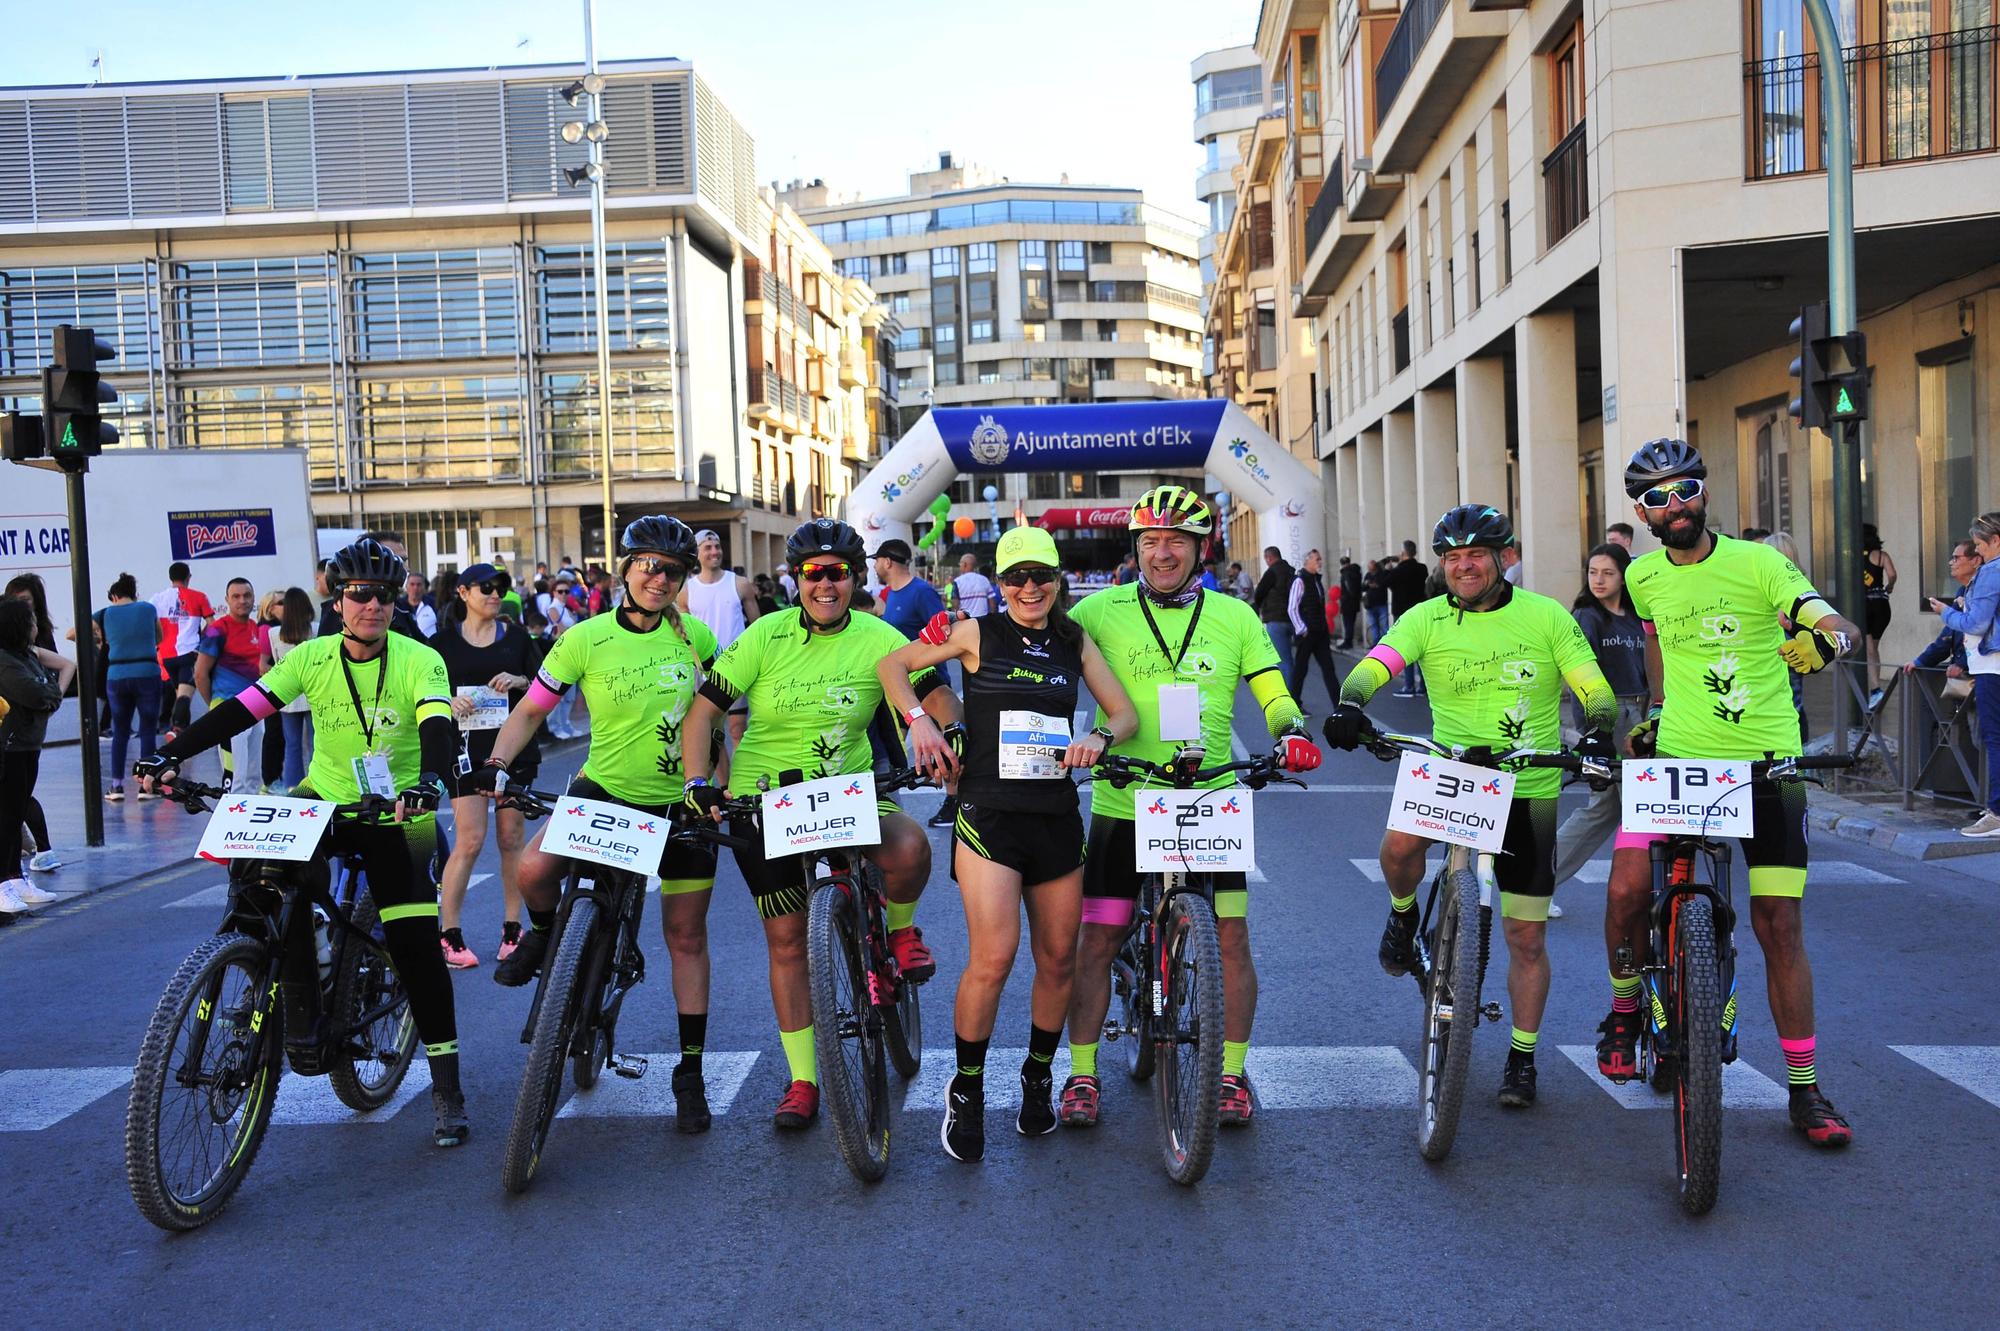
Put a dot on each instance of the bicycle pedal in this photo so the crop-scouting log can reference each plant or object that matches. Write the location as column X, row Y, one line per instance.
column 1491, row 1012
column 630, row 1066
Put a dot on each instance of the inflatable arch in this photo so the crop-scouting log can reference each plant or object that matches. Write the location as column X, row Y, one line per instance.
column 1215, row 435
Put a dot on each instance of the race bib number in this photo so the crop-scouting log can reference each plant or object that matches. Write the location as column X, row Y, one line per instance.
column 1453, row 802
column 1180, row 713
column 371, row 773
column 265, row 827
column 489, row 708
column 819, row 815
column 607, row 834
column 1209, row 831
column 1686, row 796
column 1032, row 745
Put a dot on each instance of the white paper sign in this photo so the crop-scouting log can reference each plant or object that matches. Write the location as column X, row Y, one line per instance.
column 1208, row 831
column 265, row 827
column 489, row 708
column 1032, row 745
column 821, row 814
column 1180, row 713
column 1453, row 802
column 607, row 834
column 1696, row 797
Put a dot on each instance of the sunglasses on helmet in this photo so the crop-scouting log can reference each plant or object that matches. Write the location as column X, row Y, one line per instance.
column 1687, row 489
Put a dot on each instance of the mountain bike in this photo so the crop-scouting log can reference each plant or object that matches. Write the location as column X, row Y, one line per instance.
column 1167, row 977
column 1689, row 974
column 296, row 973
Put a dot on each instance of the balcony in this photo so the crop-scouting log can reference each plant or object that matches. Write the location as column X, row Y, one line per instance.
column 1566, row 185
column 1333, row 243
column 1910, row 101
column 1436, row 51
column 779, row 402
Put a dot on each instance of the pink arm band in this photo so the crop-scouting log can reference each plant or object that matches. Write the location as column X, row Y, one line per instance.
column 544, row 697
column 1389, row 657
column 259, row 702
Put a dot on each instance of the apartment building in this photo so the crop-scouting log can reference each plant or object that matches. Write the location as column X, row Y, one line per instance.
column 1228, row 98
column 1015, row 294
column 393, row 272
column 1553, row 230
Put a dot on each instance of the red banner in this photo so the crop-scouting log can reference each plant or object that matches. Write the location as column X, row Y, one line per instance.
column 1083, row 518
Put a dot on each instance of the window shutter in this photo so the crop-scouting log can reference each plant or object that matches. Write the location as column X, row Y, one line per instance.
column 176, row 155
column 455, row 143
column 360, row 147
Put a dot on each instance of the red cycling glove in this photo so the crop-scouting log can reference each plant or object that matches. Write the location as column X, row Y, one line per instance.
column 1298, row 754
column 937, row 630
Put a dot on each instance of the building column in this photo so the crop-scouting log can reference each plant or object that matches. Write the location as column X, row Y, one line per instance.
column 1550, row 520
column 1399, row 478
column 1372, row 526
column 1482, row 431
column 1347, row 499
column 1437, row 455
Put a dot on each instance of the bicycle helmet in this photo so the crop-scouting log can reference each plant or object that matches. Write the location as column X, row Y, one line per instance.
column 366, row 561
column 825, row 536
column 1172, row 508
column 659, row 535
column 1661, row 460
column 1472, row 524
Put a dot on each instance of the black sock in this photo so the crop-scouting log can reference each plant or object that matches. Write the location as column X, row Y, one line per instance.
column 444, row 1073
column 694, row 1031
column 541, row 920
column 455, row 936
column 510, row 931
column 1041, row 1052
column 971, row 1058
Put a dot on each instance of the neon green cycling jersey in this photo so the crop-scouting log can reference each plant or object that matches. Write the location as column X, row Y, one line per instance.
column 402, row 687
column 638, row 687
column 811, row 695
column 1728, row 692
column 1227, row 646
column 1495, row 677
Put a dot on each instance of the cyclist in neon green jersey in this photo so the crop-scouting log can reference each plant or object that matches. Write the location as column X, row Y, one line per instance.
column 638, row 668
column 1179, row 652
column 1496, row 658
column 1718, row 659
column 810, row 679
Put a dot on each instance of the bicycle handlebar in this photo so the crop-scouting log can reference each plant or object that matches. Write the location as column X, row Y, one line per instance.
column 1121, row 770
column 190, row 795
column 1761, row 769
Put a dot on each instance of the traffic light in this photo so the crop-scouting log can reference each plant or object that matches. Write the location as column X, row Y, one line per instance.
column 1810, row 329
column 1843, row 391
column 74, row 395
column 20, row 437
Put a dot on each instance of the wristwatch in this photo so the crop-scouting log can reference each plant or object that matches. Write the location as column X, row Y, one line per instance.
column 1109, row 738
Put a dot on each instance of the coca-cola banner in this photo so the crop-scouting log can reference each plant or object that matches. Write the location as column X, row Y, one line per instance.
column 1064, row 519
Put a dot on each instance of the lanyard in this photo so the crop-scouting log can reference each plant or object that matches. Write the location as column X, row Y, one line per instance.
column 367, row 730
column 1193, row 619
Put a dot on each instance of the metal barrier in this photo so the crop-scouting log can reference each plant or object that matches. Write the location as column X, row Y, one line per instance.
column 1943, row 758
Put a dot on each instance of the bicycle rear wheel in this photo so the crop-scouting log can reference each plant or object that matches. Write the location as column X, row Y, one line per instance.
column 1189, row 1037
column 555, row 1025
column 202, row 1088
column 373, row 1060
column 1451, row 1014
column 1698, row 1062
column 1135, row 1008
column 847, row 1034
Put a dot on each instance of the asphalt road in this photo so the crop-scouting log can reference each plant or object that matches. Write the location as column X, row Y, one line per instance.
column 1320, row 1214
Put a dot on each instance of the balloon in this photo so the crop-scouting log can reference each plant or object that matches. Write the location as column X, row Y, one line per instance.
column 941, row 506
column 932, row 537
column 963, row 528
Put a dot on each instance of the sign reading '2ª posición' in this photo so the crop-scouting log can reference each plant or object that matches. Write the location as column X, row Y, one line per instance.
column 1208, row 831
column 607, row 834
column 1453, row 802
column 821, row 814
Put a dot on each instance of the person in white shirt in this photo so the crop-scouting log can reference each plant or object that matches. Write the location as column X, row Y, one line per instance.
column 724, row 601
column 971, row 591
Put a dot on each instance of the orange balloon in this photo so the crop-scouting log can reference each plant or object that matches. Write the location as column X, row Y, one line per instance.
column 963, row 528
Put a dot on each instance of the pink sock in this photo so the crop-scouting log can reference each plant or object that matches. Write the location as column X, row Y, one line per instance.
column 1799, row 1054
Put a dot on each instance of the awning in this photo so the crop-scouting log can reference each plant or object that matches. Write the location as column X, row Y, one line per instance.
column 1084, row 518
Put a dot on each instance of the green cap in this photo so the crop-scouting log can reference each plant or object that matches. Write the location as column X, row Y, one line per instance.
column 1027, row 545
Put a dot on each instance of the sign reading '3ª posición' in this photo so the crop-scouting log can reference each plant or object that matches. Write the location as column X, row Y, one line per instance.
column 1453, row 802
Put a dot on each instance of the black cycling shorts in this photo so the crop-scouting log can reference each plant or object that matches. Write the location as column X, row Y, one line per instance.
column 780, row 886
column 1526, row 865
column 1878, row 616
column 1041, row 847
column 1775, row 852
column 1111, row 863
column 685, row 866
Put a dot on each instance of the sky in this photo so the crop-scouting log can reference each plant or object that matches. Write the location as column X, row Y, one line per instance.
column 858, row 94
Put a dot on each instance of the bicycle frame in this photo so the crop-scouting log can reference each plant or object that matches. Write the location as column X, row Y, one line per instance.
column 1674, row 879
column 621, row 899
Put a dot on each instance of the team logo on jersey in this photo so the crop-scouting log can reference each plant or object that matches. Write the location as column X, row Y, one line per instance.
column 1720, row 628
column 1198, row 663
column 1518, row 672
column 988, row 443
column 842, row 695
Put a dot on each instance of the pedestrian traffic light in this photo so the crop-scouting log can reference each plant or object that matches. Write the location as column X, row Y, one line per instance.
column 1843, row 391
column 1809, row 329
column 20, row 437
column 74, row 395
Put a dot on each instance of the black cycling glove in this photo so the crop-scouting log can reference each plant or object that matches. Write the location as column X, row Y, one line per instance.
column 1346, row 728
column 1596, row 747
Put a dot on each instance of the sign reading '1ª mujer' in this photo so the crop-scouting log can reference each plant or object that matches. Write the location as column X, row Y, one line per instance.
column 1137, row 434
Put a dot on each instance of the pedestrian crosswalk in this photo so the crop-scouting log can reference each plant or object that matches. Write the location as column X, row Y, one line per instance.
column 1287, row 1077
column 216, row 897
column 1824, row 873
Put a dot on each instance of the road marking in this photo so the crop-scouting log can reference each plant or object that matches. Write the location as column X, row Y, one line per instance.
column 1003, row 1081
column 1974, row 1068
column 477, row 879
column 208, row 896
column 1369, row 869
column 652, row 1096
column 1336, row 1077
column 35, row 1098
column 1743, row 1087
column 310, row 1101
column 1828, row 873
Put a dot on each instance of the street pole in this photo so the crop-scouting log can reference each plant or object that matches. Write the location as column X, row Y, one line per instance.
column 1835, row 106
column 86, row 663
column 603, row 284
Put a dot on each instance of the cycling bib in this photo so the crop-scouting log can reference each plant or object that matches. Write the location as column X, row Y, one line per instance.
column 377, row 717
column 1032, row 746
column 638, row 687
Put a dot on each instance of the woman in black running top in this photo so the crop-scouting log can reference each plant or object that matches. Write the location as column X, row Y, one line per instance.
column 1018, row 831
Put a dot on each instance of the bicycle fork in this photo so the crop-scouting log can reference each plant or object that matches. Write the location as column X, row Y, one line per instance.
column 1674, row 879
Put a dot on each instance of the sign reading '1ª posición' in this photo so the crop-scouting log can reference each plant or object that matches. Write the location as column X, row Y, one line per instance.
column 819, row 815
column 1686, row 796
column 607, row 834
column 1206, row 831
column 1453, row 802
column 265, row 827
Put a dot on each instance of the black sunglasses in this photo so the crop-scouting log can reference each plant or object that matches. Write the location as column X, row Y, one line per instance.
column 362, row 594
column 652, row 566
column 489, row 588
column 1021, row 577
column 825, row 573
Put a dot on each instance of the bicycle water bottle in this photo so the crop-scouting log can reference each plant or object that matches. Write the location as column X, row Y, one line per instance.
column 322, row 945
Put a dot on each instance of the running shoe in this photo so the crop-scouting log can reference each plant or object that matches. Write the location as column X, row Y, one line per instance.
column 1038, row 1112
column 1814, row 1115
column 525, row 960
column 115, row 795
column 690, row 1101
column 964, row 1130
column 947, row 813
column 510, row 938
column 1986, row 825
column 1237, row 1107
column 1517, row 1084
column 456, row 954
column 11, row 905
column 1079, row 1102
column 1398, row 953
column 448, row 1123
column 28, row 894
column 912, row 957
column 799, row 1107
column 1616, row 1056
column 46, row 861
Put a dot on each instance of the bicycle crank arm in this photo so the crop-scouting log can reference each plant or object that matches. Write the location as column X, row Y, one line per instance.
column 630, row 1066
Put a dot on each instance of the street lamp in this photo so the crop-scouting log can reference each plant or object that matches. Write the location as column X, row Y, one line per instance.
column 594, row 131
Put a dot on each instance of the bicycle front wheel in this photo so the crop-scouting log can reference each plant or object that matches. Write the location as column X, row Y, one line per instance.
column 1698, row 1049
column 541, row 1080
column 847, row 1034
column 1188, row 1036
column 373, row 1059
column 203, row 1086
column 1451, row 1014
